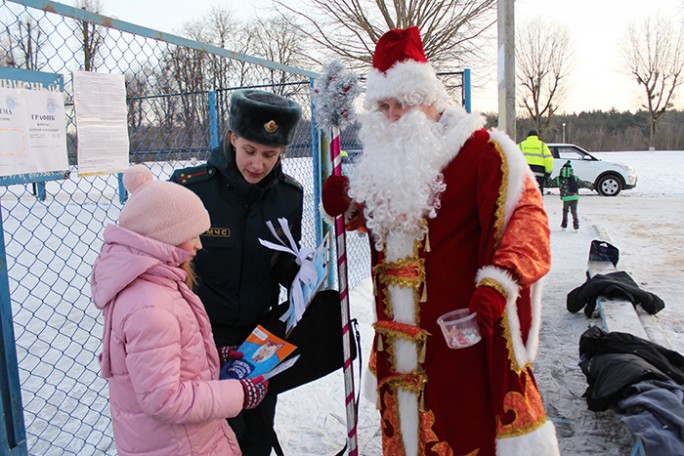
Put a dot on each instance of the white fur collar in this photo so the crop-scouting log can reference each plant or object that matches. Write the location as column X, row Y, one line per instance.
column 518, row 171
column 459, row 126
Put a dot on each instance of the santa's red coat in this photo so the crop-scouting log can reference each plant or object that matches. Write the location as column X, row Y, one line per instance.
column 481, row 400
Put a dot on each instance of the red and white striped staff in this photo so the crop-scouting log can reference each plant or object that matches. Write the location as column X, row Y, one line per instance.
column 334, row 92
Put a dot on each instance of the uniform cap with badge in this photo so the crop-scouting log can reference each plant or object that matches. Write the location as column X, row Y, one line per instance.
column 263, row 117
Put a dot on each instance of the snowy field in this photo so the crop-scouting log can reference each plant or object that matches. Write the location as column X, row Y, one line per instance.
column 644, row 223
column 58, row 330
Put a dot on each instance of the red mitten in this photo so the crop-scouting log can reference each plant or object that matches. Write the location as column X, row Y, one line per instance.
column 255, row 390
column 489, row 304
column 335, row 195
column 228, row 353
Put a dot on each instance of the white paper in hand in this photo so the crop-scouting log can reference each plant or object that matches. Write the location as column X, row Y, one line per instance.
column 281, row 367
column 312, row 273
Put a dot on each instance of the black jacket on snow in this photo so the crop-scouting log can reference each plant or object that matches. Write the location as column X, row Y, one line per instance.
column 614, row 361
column 617, row 284
column 238, row 277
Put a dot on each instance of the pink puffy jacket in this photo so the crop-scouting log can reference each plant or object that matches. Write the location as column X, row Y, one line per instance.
column 158, row 353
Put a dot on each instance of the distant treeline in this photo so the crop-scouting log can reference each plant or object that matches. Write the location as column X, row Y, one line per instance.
column 608, row 131
column 594, row 131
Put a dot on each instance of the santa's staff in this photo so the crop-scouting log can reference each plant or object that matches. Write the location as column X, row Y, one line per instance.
column 334, row 92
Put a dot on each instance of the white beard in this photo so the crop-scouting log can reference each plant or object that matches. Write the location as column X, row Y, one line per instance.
column 398, row 178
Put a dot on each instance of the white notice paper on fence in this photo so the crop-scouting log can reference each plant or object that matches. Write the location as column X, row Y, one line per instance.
column 32, row 132
column 101, row 122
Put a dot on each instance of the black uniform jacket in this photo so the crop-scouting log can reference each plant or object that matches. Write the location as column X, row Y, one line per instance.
column 617, row 284
column 238, row 277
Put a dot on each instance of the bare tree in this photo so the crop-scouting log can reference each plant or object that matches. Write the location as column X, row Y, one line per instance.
column 349, row 29
column 189, row 69
column 543, row 52
column 6, row 49
column 25, row 41
column 91, row 35
column 653, row 54
column 272, row 39
column 136, row 87
column 165, row 106
column 185, row 75
column 221, row 29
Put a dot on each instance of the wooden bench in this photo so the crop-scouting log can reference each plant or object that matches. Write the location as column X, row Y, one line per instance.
column 622, row 316
column 616, row 314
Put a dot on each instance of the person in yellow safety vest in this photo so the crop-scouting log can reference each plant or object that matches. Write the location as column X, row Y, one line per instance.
column 538, row 156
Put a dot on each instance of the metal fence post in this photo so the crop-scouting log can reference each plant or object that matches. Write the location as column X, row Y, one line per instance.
column 319, row 172
column 214, row 132
column 123, row 194
column 13, row 432
column 466, row 90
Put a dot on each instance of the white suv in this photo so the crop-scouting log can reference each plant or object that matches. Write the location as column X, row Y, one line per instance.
column 608, row 178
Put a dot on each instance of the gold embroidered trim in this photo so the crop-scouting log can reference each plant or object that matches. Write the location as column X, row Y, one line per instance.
column 387, row 305
column 489, row 282
column 409, row 271
column 406, row 272
column 509, row 345
column 401, row 331
column 501, row 199
column 393, row 330
column 527, row 408
column 429, row 442
column 413, row 382
column 392, row 441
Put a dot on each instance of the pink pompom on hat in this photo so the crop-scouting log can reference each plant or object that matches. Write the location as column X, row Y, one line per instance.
column 161, row 210
column 401, row 70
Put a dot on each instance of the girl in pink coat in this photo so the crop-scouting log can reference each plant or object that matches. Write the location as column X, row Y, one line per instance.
column 158, row 353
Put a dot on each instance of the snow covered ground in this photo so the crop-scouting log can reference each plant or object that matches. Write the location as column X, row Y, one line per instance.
column 644, row 223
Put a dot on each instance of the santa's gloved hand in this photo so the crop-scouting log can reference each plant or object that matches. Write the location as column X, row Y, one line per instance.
column 228, row 353
column 335, row 195
column 255, row 390
column 489, row 304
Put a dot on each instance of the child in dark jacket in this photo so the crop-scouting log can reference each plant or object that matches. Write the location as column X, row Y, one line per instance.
column 569, row 185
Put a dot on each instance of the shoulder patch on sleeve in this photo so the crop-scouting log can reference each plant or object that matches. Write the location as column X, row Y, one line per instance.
column 188, row 176
column 292, row 181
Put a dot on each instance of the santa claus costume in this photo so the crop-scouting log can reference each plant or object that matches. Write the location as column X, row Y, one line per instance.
column 455, row 222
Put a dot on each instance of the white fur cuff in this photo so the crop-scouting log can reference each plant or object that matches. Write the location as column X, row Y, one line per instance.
column 502, row 277
column 541, row 441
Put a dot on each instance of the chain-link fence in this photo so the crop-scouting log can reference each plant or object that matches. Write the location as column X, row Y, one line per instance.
column 177, row 94
column 52, row 241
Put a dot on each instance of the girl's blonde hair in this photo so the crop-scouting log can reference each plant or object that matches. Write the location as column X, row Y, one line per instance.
column 191, row 278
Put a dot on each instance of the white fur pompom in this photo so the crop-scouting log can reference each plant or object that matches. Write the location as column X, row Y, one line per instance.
column 135, row 177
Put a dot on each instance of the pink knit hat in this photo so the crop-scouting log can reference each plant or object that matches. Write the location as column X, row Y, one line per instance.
column 161, row 210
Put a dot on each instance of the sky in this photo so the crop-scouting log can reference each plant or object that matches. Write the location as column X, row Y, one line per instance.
column 597, row 81
column 598, row 28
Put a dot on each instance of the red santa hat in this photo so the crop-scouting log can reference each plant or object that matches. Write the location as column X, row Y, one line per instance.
column 401, row 70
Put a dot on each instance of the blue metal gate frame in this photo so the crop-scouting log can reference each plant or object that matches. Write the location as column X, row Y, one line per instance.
column 13, row 435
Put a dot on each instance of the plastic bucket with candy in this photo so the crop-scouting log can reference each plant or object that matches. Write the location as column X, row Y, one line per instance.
column 459, row 328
